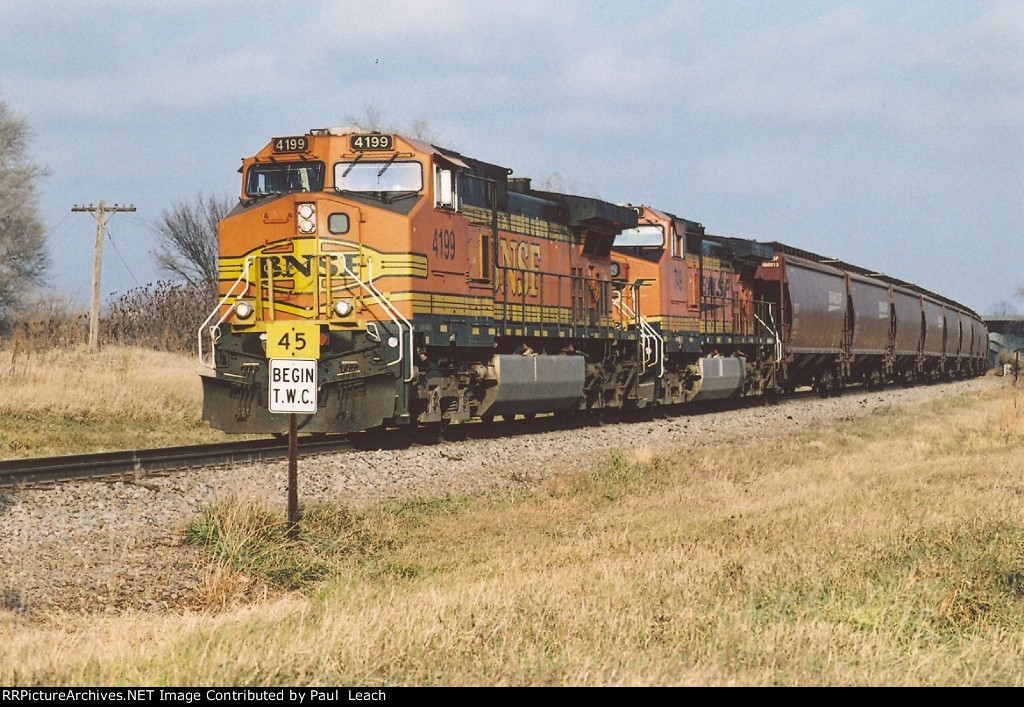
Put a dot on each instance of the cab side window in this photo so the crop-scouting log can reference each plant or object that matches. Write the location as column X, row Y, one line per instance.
column 677, row 243
column 446, row 188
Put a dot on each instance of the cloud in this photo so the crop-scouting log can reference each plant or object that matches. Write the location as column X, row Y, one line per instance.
column 453, row 26
column 818, row 120
column 976, row 73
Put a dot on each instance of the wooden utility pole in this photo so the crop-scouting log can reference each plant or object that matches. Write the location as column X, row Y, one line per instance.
column 101, row 212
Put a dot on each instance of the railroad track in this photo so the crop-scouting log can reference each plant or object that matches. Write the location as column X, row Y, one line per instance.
column 38, row 471
column 49, row 470
column 16, row 473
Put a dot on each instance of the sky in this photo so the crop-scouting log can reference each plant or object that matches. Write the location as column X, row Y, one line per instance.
column 886, row 134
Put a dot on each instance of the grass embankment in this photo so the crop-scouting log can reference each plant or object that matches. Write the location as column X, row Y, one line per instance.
column 69, row 401
column 888, row 551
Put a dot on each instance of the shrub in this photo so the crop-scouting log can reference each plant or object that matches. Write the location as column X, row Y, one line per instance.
column 49, row 321
column 164, row 316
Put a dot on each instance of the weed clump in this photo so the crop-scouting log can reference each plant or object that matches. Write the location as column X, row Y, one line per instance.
column 247, row 540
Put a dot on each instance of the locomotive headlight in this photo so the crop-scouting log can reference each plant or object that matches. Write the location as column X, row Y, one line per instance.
column 243, row 310
column 307, row 217
column 343, row 308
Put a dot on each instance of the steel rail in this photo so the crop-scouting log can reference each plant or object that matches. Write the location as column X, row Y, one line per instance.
column 50, row 470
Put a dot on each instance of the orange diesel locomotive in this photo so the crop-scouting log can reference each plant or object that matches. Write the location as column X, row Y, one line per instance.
column 691, row 296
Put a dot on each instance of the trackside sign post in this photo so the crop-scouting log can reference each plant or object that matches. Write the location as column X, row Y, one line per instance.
column 293, row 350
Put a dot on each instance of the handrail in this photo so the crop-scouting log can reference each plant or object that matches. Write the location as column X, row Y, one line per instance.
column 775, row 335
column 397, row 317
column 572, row 315
column 215, row 329
column 647, row 335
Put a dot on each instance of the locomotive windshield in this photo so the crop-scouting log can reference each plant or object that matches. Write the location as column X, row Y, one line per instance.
column 284, row 178
column 644, row 236
column 387, row 176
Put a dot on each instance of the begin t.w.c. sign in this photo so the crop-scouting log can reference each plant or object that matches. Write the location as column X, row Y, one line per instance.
column 292, row 385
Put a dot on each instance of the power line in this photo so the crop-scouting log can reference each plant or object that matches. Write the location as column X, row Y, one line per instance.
column 120, row 256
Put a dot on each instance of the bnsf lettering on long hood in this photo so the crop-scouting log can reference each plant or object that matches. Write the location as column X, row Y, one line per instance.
column 524, row 259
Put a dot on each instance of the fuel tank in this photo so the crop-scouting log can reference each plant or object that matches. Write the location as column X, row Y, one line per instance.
column 531, row 384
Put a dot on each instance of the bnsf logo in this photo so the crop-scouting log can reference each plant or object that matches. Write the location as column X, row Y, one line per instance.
column 290, row 266
column 718, row 284
column 523, row 263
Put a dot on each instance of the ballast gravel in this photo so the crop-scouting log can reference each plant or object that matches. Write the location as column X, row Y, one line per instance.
column 112, row 547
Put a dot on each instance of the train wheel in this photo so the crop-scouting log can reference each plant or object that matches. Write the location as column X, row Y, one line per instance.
column 428, row 433
column 566, row 415
column 370, row 439
column 452, row 433
column 838, row 385
column 825, row 384
column 875, row 380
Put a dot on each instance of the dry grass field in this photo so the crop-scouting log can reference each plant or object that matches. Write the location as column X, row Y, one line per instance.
column 71, row 400
column 887, row 551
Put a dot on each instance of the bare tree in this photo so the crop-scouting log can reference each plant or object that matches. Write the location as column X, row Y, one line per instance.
column 23, row 256
column 188, row 239
column 1002, row 308
column 557, row 183
column 373, row 119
